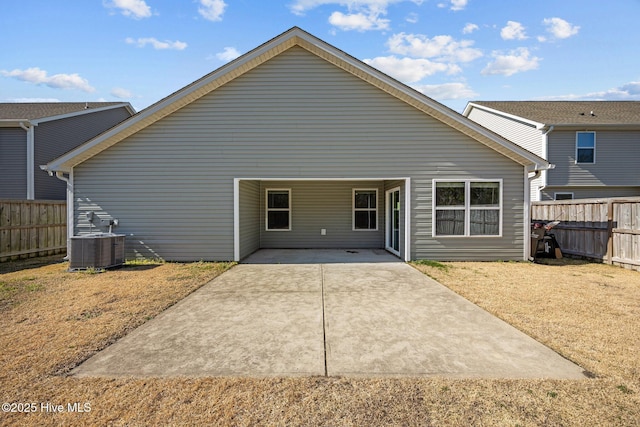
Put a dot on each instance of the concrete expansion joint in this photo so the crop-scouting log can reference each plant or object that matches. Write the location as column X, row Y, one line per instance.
column 324, row 324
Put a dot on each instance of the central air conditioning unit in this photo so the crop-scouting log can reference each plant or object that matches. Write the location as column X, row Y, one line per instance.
column 98, row 251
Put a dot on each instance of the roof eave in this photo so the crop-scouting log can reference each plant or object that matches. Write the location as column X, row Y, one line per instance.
column 126, row 105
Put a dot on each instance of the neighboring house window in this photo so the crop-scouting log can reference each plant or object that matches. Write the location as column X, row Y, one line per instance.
column 467, row 208
column 278, row 210
column 365, row 209
column 563, row 196
column 585, row 147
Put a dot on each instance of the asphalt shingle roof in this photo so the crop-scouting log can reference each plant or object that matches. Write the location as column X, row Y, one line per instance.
column 39, row 110
column 571, row 112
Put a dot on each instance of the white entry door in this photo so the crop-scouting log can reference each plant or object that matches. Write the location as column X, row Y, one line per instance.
column 392, row 234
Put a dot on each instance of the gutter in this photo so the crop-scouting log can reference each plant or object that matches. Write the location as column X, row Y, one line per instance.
column 30, row 129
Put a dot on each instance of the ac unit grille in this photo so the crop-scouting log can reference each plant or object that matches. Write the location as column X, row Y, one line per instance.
column 99, row 251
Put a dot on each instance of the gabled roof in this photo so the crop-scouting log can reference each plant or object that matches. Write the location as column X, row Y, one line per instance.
column 293, row 37
column 567, row 113
column 37, row 111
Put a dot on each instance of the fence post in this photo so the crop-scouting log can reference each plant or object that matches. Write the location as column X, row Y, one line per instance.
column 609, row 258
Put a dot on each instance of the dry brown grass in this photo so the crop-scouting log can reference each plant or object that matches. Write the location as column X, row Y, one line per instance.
column 51, row 320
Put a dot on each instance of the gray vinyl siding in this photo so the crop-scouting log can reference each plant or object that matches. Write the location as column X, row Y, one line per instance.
column 54, row 138
column 249, row 217
column 317, row 205
column 523, row 134
column 592, row 192
column 617, row 154
column 295, row 116
column 13, row 163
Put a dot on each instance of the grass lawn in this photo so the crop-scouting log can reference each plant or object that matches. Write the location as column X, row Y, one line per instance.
column 51, row 320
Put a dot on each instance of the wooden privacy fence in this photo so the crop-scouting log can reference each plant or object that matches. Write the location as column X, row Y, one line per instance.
column 606, row 230
column 30, row 228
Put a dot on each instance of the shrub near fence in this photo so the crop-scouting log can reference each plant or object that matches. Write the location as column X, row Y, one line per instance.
column 30, row 228
column 606, row 230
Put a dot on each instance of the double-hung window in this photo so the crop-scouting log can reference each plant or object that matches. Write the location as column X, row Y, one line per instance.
column 585, row 147
column 467, row 208
column 278, row 217
column 365, row 209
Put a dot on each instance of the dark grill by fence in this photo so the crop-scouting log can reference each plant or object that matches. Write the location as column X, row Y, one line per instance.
column 30, row 228
column 606, row 230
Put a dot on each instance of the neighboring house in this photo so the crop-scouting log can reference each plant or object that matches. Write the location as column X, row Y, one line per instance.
column 298, row 145
column 594, row 145
column 33, row 134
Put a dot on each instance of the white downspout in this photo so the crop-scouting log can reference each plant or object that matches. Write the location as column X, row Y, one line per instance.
column 70, row 227
column 527, row 207
column 545, row 155
column 31, row 192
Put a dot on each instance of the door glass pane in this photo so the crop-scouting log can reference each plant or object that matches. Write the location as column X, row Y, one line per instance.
column 396, row 221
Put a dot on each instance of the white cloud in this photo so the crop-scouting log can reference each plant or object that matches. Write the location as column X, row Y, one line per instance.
column 458, row 4
column 455, row 4
column 469, row 28
column 443, row 48
column 513, row 31
column 228, row 54
column 121, row 93
column 447, row 91
column 559, row 28
column 358, row 21
column 360, row 15
column 58, row 81
column 157, row 44
column 33, row 100
column 212, row 10
column 516, row 61
column 412, row 18
column 137, row 9
column 299, row 7
column 410, row 70
column 627, row 92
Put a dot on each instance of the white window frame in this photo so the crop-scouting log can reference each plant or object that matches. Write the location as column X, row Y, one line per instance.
column 594, row 148
column 564, row 193
column 467, row 209
column 267, row 209
column 354, row 209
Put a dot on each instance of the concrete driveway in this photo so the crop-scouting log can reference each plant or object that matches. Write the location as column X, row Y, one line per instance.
column 334, row 312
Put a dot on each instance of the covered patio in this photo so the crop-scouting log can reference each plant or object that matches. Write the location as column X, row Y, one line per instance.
column 321, row 213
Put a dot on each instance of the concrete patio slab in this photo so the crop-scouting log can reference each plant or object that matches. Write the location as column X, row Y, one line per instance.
column 305, row 313
column 396, row 321
column 246, row 322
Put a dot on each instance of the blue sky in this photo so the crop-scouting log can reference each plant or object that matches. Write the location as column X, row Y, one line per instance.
column 455, row 51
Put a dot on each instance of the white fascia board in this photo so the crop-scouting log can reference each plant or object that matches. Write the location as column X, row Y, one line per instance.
column 470, row 106
column 13, row 123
